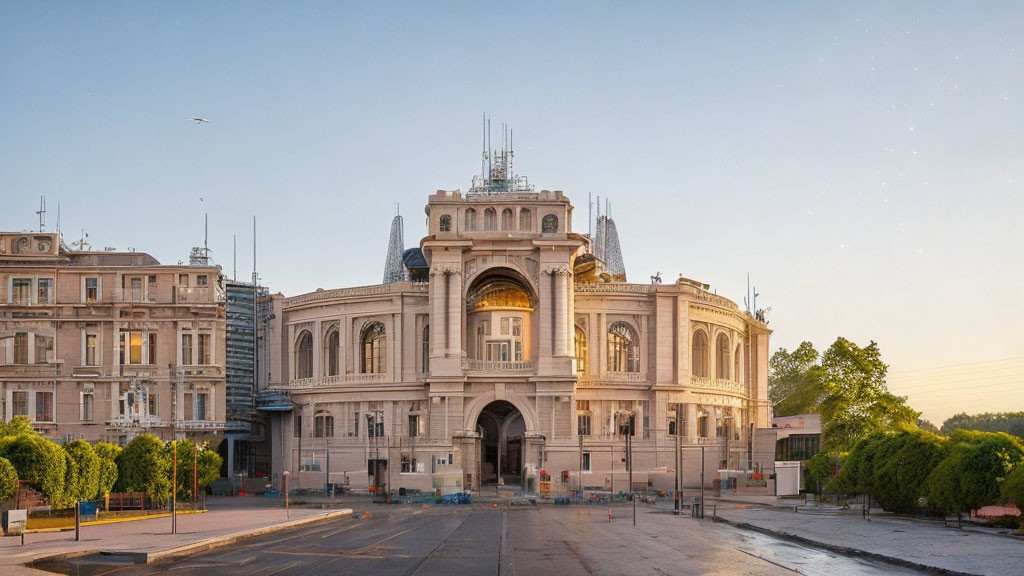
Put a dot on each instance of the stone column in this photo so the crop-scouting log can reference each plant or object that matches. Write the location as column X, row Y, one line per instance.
column 691, row 422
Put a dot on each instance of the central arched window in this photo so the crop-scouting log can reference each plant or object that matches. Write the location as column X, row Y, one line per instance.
column 332, row 349
column 323, row 425
column 426, row 349
column 722, row 357
column 304, row 355
column 623, row 348
column 489, row 218
column 581, row 351
column 506, row 219
column 549, row 224
column 470, row 219
column 736, row 364
column 525, row 220
column 700, row 354
column 374, row 345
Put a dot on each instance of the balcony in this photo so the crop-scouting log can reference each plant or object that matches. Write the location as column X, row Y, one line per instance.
column 718, row 385
column 328, row 381
column 487, row 367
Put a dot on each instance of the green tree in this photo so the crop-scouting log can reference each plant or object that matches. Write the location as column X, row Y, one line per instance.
column 927, row 426
column 87, row 466
column 819, row 469
column 1009, row 422
column 107, row 454
column 8, row 480
column 17, row 426
column 970, row 476
column 39, row 462
column 902, row 463
column 793, row 383
column 856, row 473
column 209, row 463
column 143, row 467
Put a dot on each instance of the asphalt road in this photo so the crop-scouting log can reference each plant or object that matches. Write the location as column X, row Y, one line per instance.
column 447, row 540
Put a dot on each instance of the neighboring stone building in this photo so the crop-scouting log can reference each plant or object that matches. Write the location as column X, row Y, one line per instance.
column 106, row 345
column 509, row 350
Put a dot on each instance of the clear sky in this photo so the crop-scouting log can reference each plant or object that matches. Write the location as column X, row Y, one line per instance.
column 863, row 163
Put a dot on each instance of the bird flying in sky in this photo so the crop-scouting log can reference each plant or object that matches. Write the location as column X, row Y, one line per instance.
column 201, row 120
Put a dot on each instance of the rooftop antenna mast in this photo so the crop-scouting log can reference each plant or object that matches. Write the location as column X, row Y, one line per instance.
column 42, row 213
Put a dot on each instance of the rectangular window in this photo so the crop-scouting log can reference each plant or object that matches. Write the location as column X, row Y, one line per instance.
column 204, row 349
column 152, row 404
column 136, row 287
column 201, row 405
column 44, row 291
column 44, row 348
column 21, row 348
column 202, row 280
column 586, row 461
column 374, row 426
column 91, row 349
column 92, row 291
column 44, row 406
column 414, row 425
column 297, row 425
column 517, row 326
column 519, row 352
column 87, row 406
column 186, row 349
column 19, row 404
column 497, row 351
column 504, row 325
column 131, row 348
column 583, row 423
column 355, row 424
column 21, row 291
column 408, row 463
column 183, row 280
column 152, row 348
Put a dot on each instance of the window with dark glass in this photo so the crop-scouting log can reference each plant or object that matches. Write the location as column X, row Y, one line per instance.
column 549, row 224
column 623, row 348
column 374, row 347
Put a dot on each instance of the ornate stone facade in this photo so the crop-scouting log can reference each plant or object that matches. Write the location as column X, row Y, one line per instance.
column 507, row 361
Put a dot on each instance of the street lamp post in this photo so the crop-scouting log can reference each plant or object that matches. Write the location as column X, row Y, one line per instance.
column 287, row 511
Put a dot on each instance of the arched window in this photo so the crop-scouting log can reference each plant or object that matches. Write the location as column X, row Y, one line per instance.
column 332, row 350
column 722, row 358
column 736, row 364
column 323, row 425
column 525, row 220
column 506, row 219
column 702, row 422
column 446, row 223
column 304, row 355
column 426, row 349
column 374, row 345
column 700, row 354
column 470, row 219
column 489, row 217
column 623, row 348
column 581, row 351
column 549, row 224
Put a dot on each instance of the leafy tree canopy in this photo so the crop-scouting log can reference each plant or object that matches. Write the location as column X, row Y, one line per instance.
column 17, row 426
column 107, row 454
column 208, row 461
column 87, row 465
column 846, row 385
column 1009, row 422
column 39, row 462
column 143, row 467
column 8, row 480
column 970, row 476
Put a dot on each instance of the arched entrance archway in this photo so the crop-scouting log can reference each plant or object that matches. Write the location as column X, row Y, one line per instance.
column 502, row 430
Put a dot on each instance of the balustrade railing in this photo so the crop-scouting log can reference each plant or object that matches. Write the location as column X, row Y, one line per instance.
column 493, row 367
column 328, row 381
column 718, row 384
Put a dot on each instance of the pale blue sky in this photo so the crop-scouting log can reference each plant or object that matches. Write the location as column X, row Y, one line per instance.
column 863, row 162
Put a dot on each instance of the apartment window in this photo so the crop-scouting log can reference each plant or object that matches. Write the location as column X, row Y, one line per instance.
column 91, row 350
column 152, row 404
column 152, row 348
column 21, row 348
column 505, row 322
column 204, row 349
column 408, row 463
column 201, row 398
column 136, row 289
column 92, row 290
column 355, row 424
column 44, row 348
column 374, row 426
column 131, row 348
column 583, row 417
column 586, row 461
column 186, row 349
column 297, row 425
column 21, row 291
column 87, row 406
column 414, row 425
column 202, row 280
column 44, row 406
column 183, row 280
column 44, row 291
column 19, row 403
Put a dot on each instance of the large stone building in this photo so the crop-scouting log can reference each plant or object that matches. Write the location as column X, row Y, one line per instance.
column 103, row 345
column 507, row 348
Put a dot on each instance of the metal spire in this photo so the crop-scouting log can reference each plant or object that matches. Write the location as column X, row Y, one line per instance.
column 394, row 271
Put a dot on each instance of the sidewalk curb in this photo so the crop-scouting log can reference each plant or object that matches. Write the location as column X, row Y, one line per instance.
column 844, row 550
column 194, row 547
